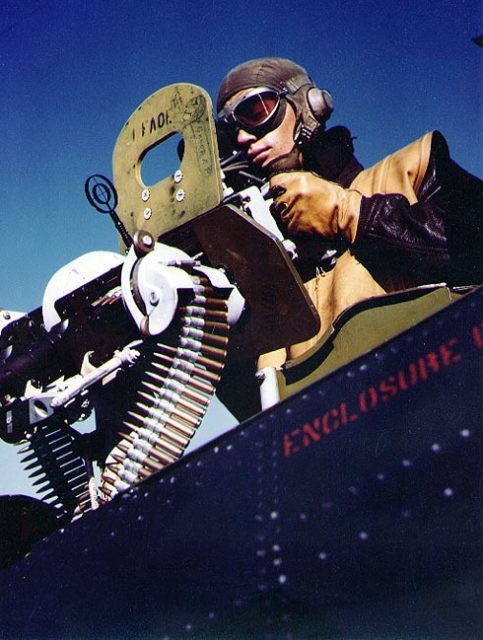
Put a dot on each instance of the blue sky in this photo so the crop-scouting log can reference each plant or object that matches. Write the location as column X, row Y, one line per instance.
column 72, row 72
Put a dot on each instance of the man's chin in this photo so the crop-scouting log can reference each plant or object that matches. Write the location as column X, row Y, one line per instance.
column 290, row 161
column 259, row 170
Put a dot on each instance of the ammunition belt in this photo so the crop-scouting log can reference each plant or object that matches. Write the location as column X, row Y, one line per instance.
column 58, row 469
column 175, row 393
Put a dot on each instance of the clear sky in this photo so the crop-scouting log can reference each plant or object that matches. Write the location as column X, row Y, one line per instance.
column 73, row 71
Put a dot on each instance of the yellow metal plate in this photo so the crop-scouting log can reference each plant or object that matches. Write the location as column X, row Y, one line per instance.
column 363, row 327
column 180, row 108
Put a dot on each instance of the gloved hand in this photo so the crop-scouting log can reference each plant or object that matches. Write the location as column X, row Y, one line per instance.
column 308, row 204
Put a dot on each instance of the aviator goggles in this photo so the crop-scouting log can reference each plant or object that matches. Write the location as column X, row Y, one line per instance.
column 257, row 112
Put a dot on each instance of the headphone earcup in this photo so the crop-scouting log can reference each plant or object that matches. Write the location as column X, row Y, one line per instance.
column 321, row 103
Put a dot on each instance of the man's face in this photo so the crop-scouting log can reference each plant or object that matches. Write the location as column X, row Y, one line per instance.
column 263, row 150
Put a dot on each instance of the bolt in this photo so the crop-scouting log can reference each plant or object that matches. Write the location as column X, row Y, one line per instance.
column 178, row 176
column 147, row 213
column 145, row 195
column 143, row 242
column 180, row 195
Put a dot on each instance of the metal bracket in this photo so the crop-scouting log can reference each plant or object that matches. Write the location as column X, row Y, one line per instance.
column 194, row 188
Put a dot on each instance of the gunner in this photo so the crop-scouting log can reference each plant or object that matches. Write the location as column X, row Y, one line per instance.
column 412, row 219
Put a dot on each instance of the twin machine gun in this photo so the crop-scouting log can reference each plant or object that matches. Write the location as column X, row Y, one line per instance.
column 140, row 338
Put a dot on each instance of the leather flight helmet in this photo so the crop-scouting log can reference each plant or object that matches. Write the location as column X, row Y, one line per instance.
column 312, row 106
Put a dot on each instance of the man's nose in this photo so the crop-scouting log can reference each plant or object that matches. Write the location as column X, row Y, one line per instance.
column 244, row 138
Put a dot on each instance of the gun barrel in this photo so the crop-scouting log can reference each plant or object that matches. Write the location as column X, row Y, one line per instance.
column 19, row 368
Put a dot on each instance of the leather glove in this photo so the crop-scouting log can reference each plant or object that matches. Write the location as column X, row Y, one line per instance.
column 307, row 203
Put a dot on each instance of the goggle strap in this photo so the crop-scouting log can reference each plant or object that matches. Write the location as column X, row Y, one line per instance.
column 297, row 82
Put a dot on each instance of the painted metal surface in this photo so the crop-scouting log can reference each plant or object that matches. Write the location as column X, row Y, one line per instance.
column 194, row 187
column 351, row 510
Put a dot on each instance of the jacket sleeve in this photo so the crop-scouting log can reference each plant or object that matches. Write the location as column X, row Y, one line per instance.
column 438, row 238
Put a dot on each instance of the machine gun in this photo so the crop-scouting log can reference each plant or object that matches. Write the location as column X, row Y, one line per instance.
column 56, row 360
column 141, row 339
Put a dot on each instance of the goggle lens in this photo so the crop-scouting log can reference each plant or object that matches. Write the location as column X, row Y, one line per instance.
column 257, row 109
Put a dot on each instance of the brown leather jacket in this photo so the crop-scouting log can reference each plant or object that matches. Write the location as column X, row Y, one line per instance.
column 434, row 234
column 420, row 223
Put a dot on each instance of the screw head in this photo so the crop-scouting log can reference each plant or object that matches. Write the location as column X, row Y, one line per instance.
column 145, row 195
column 180, row 194
column 178, row 176
column 153, row 297
column 147, row 213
